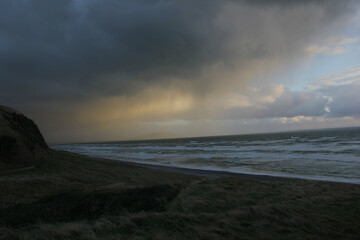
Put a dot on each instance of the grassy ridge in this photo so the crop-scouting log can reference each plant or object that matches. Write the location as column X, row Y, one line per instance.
column 67, row 196
column 61, row 172
column 72, row 206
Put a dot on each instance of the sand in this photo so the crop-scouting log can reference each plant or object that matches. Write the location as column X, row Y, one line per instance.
column 211, row 173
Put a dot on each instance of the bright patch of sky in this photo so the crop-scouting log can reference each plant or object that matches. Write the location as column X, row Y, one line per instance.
column 322, row 64
column 334, row 54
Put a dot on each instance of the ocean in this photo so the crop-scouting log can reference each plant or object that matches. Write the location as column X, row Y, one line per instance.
column 330, row 154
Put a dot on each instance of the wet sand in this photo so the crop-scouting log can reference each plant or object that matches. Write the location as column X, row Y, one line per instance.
column 212, row 173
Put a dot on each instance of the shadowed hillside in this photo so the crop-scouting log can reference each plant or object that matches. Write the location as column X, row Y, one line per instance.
column 20, row 138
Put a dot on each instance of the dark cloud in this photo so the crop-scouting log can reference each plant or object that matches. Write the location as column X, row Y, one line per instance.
column 92, row 45
column 58, row 57
column 73, row 48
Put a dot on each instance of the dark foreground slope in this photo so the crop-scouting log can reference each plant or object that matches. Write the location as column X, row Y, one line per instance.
column 67, row 196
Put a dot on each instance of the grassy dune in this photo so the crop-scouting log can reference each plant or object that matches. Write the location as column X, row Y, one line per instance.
column 67, row 196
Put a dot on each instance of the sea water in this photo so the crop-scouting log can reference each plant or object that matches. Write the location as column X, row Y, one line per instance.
column 331, row 154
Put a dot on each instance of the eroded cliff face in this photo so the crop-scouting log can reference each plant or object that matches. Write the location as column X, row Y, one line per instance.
column 20, row 138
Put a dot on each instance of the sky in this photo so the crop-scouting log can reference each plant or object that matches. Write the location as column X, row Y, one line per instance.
column 92, row 70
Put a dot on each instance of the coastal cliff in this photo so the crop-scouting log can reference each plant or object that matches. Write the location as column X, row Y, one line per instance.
column 20, row 138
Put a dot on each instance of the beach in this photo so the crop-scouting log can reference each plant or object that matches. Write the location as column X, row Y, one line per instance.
column 179, row 120
column 212, row 173
column 326, row 155
column 71, row 196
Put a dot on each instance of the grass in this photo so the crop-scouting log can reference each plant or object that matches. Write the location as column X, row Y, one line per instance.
column 86, row 206
column 68, row 196
column 61, row 172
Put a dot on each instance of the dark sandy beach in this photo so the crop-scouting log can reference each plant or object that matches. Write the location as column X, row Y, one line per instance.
column 71, row 196
column 214, row 173
column 223, row 174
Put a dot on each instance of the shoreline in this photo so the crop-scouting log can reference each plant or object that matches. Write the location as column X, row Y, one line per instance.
column 214, row 173
column 220, row 174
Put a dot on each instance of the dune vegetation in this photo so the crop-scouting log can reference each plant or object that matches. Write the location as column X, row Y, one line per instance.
column 68, row 196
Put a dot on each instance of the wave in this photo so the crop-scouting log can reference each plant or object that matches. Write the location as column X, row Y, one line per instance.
column 319, row 154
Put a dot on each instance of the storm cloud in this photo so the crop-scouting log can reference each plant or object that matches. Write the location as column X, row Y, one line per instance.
column 130, row 59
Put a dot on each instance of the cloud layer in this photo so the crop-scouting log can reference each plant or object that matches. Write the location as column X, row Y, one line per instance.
column 113, row 63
